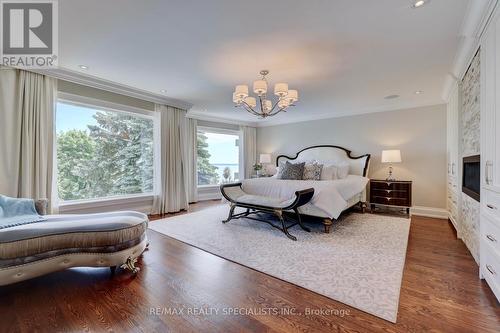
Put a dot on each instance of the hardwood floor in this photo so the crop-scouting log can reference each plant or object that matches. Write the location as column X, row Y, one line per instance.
column 440, row 292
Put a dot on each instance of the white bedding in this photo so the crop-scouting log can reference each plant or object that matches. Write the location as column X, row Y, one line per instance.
column 330, row 196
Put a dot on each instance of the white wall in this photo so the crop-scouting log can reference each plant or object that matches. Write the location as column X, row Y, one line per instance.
column 419, row 133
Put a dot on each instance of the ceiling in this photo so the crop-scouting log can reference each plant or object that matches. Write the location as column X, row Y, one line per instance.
column 344, row 56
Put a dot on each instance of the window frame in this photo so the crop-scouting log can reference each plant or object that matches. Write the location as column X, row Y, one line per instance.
column 103, row 105
column 218, row 130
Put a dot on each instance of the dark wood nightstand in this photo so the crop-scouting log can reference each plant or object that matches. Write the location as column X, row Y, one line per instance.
column 393, row 193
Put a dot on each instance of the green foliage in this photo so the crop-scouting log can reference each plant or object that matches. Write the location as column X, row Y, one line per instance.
column 114, row 157
column 207, row 173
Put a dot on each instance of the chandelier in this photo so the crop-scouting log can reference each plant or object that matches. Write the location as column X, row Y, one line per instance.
column 286, row 97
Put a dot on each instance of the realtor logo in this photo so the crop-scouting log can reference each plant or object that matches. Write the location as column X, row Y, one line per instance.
column 29, row 33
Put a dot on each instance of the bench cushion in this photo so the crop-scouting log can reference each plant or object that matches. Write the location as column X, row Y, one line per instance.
column 71, row 233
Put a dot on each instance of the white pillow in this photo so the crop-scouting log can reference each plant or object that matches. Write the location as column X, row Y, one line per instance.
column 342, row 170
column 329, row 172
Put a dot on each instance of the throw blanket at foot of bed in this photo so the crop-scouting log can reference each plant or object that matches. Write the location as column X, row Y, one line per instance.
column 64, row 241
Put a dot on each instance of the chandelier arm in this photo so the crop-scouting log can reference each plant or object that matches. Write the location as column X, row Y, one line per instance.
column 249, row 109
column 261, row 105
column 275, row 113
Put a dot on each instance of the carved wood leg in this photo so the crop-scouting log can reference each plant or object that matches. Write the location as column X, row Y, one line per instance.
column 363, row 207
column 130, row 265
column 327, row 223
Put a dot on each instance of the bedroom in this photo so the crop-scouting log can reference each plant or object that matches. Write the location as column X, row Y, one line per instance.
column 362, row 132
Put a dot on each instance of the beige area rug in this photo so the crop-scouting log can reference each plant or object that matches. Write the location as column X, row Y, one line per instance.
column 360, row 263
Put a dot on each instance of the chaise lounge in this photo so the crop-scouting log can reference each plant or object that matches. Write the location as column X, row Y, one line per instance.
column 64, row 241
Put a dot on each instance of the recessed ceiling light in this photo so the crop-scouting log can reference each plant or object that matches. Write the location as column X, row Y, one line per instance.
column 163, row 91
column 391, row 96
column 83, row 67
column 418, row 92
column 419, row 3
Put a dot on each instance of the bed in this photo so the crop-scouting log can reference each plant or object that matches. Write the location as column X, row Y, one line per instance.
column 331, row 197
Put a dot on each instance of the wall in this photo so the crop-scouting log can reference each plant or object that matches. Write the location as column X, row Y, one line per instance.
column 470, row 142
column 419, row 133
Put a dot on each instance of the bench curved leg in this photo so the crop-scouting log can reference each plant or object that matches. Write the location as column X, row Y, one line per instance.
column 327, row 223
column 231, row 211
column 279, row 214
column 299, row 220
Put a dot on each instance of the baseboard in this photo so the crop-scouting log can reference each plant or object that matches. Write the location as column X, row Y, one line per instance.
column 439, row 213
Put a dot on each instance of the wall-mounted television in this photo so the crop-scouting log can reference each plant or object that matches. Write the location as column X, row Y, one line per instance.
column 471, row 176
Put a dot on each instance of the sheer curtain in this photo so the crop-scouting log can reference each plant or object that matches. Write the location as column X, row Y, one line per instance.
column 177, row 163
column 27, row 112
column 249, row 151
column 191, row 157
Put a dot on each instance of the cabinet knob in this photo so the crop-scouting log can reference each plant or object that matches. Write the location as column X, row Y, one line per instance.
column 491, row 206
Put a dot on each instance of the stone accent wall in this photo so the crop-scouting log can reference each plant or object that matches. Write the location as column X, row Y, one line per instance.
column 470, row 132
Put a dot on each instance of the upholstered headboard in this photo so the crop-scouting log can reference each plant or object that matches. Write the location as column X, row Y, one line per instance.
column 358, row 165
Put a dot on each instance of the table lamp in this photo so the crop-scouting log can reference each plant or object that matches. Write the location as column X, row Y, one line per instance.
column 391, row 156
column 264, row 159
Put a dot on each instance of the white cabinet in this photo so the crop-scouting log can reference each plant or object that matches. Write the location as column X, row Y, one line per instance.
column 490, row 155
column 453, row 159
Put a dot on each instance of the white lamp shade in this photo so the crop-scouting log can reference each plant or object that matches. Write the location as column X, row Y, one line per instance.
column 283, row 103
column 241, row 91
column 391, row 156
column 293, row 96
column 237, row 99
column 267, row 104
column 260, row 87
column 281, row 89
column 265, row 158
column 251, row 101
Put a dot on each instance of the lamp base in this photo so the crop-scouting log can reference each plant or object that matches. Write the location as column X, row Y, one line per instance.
column 390, row 177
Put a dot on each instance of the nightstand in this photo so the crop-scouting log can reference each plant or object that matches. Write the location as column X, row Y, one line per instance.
column 392, row 193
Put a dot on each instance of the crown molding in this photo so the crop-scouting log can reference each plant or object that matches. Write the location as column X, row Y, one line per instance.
column 394, row 108
column 475, row 22
column 114, row 87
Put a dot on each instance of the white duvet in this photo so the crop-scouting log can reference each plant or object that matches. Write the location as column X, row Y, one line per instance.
column 330, row 196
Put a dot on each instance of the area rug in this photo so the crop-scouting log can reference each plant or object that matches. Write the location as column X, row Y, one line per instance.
column 360, row 263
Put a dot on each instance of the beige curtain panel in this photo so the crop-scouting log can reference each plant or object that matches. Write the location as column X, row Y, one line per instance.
column 177, row 180
column 27, row 107
column 249, row 154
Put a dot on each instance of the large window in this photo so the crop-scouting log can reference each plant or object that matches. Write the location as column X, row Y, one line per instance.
column 103, row 153
column 218, row 156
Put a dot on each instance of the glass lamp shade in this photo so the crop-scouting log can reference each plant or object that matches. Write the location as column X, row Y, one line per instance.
column 260, row 87
column 241, row 91
column 391, row 156
column 281, row 89
column 283, row 104
column 293, row 96
column 251, row 101
column 267, row 105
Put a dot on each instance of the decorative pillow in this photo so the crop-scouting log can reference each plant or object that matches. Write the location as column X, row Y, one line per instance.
column 342, row 170
column 292, row 171
column 329, row 172
column 312, row 171
column 279, row 169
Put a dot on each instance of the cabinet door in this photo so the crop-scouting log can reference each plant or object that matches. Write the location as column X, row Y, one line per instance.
column 490, row 99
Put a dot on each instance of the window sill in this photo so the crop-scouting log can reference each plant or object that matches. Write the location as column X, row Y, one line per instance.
column 109, row 202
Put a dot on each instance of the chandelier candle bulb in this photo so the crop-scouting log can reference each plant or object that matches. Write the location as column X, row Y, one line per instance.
column 260, row 87
column 281, row 89
column 236, row 98
column 241, row 90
